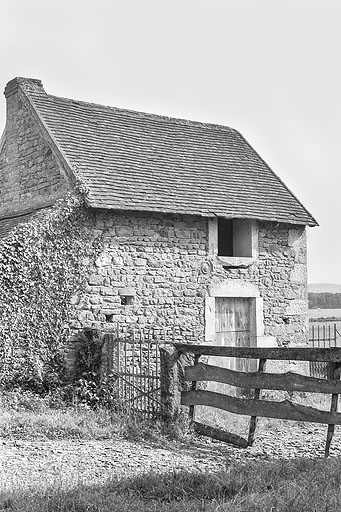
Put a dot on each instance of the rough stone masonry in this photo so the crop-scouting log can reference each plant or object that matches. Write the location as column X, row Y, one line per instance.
column 157, row 268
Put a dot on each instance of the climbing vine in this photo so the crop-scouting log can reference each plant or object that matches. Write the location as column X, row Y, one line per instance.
column 42, row 267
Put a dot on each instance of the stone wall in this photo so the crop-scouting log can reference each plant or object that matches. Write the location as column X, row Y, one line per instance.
column 153, row 262
column 30, row 174
column 283, row 282
column 157, row 269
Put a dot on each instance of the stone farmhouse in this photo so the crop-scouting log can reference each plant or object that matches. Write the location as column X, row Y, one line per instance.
column 199, row 232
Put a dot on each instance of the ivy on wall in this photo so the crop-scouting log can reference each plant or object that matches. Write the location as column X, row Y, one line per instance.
column 43, row 264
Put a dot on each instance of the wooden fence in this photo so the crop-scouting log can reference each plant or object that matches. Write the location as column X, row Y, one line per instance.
column 259, row 380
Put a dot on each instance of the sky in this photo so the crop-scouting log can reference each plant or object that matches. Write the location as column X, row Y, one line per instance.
column 269, row 68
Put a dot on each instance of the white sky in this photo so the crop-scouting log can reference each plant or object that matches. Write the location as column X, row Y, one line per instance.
column 269, row 68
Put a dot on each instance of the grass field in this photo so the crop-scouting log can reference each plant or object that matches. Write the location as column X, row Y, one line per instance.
column 325, row 313
column 298, row 486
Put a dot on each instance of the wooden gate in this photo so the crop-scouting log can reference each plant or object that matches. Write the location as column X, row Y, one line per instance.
column 260, row 380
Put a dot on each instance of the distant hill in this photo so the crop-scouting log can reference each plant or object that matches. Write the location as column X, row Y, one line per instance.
column 324, row 300
column 324, row 288
column 324, row 296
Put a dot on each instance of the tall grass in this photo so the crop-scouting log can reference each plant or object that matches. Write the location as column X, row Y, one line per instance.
column 299, row 486
column 26, row 416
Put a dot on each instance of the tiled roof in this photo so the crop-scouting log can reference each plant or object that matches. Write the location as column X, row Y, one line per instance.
column 136, row 161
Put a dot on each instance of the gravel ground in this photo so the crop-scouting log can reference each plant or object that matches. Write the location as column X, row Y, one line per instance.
column 66, row 463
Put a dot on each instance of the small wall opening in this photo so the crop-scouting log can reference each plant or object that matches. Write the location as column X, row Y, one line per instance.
column 127, row 296
column 126, row 300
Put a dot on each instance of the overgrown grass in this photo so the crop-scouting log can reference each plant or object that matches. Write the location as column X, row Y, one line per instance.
column 27, row 416
column 298, row 486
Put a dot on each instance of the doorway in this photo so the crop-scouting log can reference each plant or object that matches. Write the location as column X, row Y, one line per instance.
column 232, row 328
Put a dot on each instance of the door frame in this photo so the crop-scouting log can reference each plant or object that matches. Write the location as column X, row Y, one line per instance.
column 238, row 289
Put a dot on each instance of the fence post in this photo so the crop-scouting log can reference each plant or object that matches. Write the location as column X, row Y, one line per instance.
column 171, row 375
column 107, row 357
column 253, row 421
column 193, row 388
column 336, row 370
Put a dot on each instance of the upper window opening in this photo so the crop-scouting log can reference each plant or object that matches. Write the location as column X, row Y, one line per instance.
column 236, row 238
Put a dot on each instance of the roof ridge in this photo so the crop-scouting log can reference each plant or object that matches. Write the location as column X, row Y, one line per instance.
column 139, row 113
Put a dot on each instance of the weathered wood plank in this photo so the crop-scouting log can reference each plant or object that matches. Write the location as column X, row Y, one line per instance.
column 284, row 354
column 253, row 420
column 281, row 410
column 220, row 435
column 331, row 427
column 258, row 380
column 336, row 369
column 193, row 388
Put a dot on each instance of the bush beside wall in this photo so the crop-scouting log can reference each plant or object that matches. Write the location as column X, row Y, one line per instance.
column 42, row 266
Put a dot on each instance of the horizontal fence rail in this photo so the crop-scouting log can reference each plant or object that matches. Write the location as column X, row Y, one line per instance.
column 280, row 410
column 290, row 381
column 282, row 354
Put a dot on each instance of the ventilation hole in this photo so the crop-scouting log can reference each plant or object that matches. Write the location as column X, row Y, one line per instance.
column 126, row 300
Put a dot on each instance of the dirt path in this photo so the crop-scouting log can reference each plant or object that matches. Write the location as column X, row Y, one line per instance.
column 68, row 462
column 43, row 463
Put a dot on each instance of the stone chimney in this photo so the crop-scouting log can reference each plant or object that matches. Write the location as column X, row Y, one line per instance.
column 14, row 91
column 28, row 84
column 30, row 175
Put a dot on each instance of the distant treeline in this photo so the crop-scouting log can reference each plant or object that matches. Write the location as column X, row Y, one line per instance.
column 324, row 300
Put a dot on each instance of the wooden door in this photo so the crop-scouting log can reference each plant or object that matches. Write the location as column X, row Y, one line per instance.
column 232, row 326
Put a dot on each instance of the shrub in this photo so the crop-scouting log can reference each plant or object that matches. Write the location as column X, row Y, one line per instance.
column 42, row 266
column 90, row 386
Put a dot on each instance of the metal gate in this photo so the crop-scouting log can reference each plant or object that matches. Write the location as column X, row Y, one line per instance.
column 134, row 360
column 323, row 335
